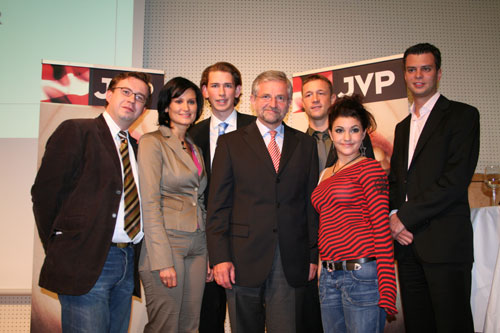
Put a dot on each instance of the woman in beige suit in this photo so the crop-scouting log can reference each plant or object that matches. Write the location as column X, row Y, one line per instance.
column 173, row 262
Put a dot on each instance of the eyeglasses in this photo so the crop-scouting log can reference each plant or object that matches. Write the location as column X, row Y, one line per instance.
column 268, row 98
column 128, row 92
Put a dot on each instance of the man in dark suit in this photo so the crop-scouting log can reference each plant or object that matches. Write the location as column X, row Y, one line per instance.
column 261, row 226
column 435, row 154
column 87, row 211
column 317, row 97
column 221, row 86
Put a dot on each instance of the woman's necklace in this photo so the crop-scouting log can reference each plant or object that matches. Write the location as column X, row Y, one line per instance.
column 354, row 159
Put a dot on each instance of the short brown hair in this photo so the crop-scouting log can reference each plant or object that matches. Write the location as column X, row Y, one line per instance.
column 222, row 67
column 314, row 77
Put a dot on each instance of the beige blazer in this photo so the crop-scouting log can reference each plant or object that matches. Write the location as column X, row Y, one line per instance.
column 171, row 194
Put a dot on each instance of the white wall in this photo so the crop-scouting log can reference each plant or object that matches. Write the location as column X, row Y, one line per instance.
column 182, row 37
column 90, row 31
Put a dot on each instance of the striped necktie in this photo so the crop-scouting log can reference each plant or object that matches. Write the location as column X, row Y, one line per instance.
column 222, row 128
column 274, row 150
column 132, row 223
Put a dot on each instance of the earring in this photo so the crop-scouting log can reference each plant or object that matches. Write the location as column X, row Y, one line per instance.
column 362, row 149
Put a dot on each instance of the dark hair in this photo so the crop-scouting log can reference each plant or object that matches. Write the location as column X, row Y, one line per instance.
column 314, row 77
column 351, row 106
column 222, row 67
column 173, row 89
column 421, row 49
column 144, row 77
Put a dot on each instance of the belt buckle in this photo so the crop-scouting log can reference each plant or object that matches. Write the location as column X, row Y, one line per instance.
column 330, row 266
column 357, row 267
column 121, row 245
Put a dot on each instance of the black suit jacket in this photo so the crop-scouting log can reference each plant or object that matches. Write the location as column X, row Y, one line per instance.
column 252, row 209
column 201, row 137
column 76, row 196
column 437, row 211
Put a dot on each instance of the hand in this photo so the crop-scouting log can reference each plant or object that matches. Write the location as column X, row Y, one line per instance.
column 313, row 268
column 168, row 277
column 224, row 274
column 399, row 231
column 210, row 273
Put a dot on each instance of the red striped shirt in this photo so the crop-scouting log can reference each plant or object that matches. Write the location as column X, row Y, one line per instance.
column 353, row 205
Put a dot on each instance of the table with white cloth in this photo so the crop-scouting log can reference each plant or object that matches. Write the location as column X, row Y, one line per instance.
column 485, row 293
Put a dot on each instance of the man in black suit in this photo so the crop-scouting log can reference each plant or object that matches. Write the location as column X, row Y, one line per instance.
column 87, row 211
column 317, row 97
column 435, row 154
column 221, row 86
column 261, row 226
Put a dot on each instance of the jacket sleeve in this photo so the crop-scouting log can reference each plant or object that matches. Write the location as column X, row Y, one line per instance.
column 60, row 165
column 220, row 204
column 312, row 215
column 150, row 162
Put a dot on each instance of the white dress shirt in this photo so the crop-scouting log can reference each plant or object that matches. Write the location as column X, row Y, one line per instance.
column 214, row 131
column 417, row 123
column 120, row 235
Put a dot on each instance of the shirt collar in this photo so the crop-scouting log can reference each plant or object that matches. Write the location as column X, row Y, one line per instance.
column 231, row 121
column 310, row 131
column 263, row 129
column 427, row 107
column 113, row 127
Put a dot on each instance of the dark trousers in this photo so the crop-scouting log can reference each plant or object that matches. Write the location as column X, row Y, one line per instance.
column 270, row 307
column 435, row 297
column 308, row 309
column 213, row 309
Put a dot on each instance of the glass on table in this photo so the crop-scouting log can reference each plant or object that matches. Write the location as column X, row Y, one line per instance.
column 492, row 180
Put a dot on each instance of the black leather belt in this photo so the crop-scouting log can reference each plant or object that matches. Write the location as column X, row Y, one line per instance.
column 350, row 265
column 121, row 245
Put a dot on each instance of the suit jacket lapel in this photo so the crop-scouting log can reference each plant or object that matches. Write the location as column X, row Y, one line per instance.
column 108, row 141
column 205, row 143
column 176, row 146
column 431, row 124
column 255, row 142
column 289, row 143
column 405, row 130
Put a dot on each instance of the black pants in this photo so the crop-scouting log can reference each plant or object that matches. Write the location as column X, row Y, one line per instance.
column 435, row 297
column 213, row 309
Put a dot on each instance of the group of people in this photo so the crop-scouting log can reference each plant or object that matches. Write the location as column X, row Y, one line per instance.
column 238, row 210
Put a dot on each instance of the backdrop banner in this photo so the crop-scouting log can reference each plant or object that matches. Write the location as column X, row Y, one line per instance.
column 69, row 91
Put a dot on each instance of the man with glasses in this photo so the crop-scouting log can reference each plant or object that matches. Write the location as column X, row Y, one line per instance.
column 87, row 210
column 261, row 226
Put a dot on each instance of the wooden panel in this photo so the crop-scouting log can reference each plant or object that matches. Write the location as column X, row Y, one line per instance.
column 479, row 193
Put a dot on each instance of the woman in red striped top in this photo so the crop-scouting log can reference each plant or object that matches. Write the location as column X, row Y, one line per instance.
column 357, row 283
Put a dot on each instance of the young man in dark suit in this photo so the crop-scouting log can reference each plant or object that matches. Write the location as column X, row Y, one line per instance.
column 261, row 226
column 221, row 86
column 87, row 210
column 435, row 154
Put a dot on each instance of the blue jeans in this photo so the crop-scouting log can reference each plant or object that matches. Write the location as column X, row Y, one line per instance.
column 106, row 307
column 349, row 300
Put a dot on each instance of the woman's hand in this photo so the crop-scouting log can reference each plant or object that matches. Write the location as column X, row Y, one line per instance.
column 168, row 277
